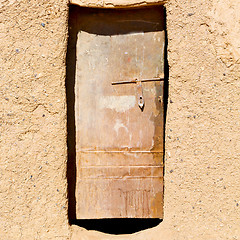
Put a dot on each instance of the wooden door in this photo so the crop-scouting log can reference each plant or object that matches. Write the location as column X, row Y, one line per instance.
column 119, row 144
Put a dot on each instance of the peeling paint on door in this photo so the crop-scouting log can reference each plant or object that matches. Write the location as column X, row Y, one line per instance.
column 117, row 103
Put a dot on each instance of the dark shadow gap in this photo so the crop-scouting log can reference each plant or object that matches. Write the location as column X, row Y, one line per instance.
column 140, row 20
column 118, row 226
column 71, row 131
column 166, row 70
column 166, row 87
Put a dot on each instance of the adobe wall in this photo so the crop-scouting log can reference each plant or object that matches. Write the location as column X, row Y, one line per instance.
column 202, row 170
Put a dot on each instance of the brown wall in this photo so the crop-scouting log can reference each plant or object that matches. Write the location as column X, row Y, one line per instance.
column 33, row 120
column 202, row 191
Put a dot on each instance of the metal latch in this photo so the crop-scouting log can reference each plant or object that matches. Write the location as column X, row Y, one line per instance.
column 139, row 88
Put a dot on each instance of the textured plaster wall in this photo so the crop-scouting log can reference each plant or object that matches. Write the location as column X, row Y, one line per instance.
column 33, row 199
column 202, row 191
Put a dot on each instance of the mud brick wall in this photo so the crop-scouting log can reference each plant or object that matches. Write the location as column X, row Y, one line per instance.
column 202, row 170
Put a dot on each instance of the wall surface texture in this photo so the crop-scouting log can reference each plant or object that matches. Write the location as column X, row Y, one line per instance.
column 33, row 182
column 202, row 160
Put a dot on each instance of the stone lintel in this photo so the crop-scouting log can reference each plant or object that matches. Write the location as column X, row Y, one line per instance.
column 116, row 3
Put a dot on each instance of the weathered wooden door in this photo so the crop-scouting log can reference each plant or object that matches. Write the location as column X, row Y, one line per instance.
column 119, row 113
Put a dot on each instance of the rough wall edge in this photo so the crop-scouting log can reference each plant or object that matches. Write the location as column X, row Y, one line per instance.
column 116, row 3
